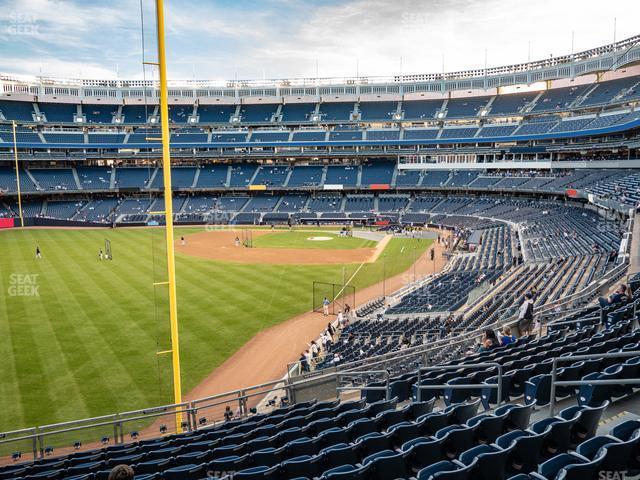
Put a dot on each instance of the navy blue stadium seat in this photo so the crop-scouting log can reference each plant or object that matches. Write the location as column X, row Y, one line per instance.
column 257, row 473
column 489, row 461
column 618, row 454
column 526, row 448
column 339, row 454
column 387, row 464
column 185, row 472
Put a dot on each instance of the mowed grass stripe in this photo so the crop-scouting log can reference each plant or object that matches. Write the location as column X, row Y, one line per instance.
column 69, row 342
column 13, row 346
column 42, row 319
column 101, row 358
column 34, row 345
column 110, row 342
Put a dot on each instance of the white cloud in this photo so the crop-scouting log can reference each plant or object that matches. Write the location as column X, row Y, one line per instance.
column 53, row 67
column 284, row 38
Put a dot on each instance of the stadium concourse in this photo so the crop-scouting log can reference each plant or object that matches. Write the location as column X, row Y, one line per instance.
column 513, row 353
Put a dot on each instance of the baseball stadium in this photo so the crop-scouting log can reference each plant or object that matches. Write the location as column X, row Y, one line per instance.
column 406, row 276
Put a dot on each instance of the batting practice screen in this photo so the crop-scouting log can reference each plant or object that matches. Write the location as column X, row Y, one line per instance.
column 338, row 296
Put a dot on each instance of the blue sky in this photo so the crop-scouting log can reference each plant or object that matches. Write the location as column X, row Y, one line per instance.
column 251, row 39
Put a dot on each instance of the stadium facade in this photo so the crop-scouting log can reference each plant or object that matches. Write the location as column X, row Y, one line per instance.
column 88, row 146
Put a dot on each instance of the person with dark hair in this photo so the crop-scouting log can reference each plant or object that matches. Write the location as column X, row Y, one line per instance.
column 330, row 329
column 489, row 340
column 304, row 365
column 619, row 296
column 525, row 315
column 121, row 472
column 228, row 414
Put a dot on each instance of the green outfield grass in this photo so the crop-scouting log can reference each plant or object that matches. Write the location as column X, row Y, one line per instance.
column 302, row 239
column 86, row 344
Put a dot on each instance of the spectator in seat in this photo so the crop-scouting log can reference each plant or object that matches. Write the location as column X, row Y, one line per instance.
column 228, row 414
column 330, row 329
column 309, row 358
column 489, row 340
column 619, row 296
column 313, row 347
column 525, row 315
column 304, row 365
column 506, row 337
column 121, row 472
column 325, row 339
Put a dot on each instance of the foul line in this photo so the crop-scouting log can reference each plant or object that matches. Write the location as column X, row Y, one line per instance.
column 348, row 282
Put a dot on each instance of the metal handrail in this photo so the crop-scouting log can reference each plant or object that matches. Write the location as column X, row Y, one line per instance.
column 385, row 373
column 420, row 387
column 585, row 292
column 190, row 409
column 576, row 383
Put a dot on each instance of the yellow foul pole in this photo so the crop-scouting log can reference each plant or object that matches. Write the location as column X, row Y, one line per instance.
column 168, row 209
column 15, row 156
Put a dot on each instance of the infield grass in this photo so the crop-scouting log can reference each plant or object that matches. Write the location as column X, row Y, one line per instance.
column 305, row 239
column 85, row 344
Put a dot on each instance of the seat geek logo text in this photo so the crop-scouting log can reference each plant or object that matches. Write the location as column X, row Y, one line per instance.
column 23, row 285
